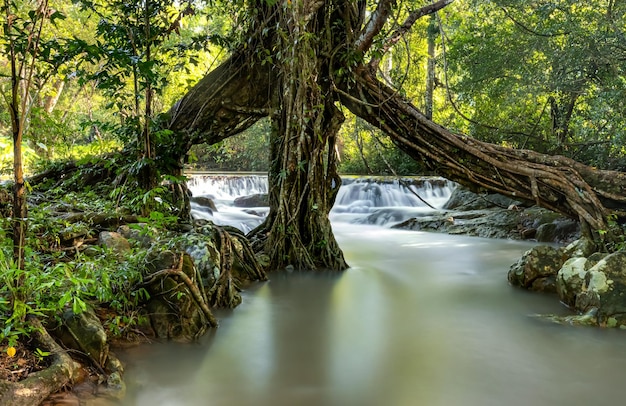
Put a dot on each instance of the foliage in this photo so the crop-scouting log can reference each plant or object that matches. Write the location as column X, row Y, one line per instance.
column 247, row 151
column 544, row 75
column 54, row 281
column 363, row 150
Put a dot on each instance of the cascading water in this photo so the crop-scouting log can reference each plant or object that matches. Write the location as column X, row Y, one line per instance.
column 223, row 190
column 382, row 201
column 373, row 200
column 227, row 187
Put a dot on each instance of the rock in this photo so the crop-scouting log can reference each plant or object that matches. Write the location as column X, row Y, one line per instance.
column 73, row 232
column 114, row 241
column 84, row 333
column 173, row 312
column 206, row 202
column 463, row 199
column 587, row 319
column 257, row 200
column 570, row 280
column 140, row 232
column 494, row 223
column 582, row 247
column 116, row 386
column 604, row 289
column 557, row 231
column 537, row 269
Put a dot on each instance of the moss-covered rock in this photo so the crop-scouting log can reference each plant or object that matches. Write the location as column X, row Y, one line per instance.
column 537, row 269
column 604, row 290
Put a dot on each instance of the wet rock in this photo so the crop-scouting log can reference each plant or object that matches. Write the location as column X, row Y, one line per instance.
column 557, row 231
column 495, row 223
column 494, row 216
column 463, row 199
column 257, row 200
column 587, row 319
column 114, row 241
column 604, row 290
column 537, row 269
column 206, row 202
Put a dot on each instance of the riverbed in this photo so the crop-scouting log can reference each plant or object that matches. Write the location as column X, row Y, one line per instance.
column 418, row 319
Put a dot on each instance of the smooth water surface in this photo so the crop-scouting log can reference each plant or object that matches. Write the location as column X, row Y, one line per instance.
column 419, row 319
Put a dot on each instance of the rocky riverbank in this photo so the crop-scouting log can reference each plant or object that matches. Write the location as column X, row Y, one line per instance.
column 495, row 216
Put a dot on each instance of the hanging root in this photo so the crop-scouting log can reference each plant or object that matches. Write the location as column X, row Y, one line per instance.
column 225, row 292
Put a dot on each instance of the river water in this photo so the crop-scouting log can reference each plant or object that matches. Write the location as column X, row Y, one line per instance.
column 418, row 319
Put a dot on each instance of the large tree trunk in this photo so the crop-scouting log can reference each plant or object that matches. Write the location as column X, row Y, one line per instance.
column 303, row 179
column 554, row 182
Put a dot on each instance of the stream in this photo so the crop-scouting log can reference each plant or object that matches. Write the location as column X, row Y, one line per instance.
column 418, row 319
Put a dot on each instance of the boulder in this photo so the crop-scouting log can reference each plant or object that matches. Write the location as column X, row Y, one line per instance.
column 173, row 312
column 257, row 200
column 84, row 333
column 493, row 223
column 537, row 269
column 114, row 241
column 463, row 199
column 570, row 279
column 206, row 202
column 604, row 291
column 582, row 247
column 557, row 231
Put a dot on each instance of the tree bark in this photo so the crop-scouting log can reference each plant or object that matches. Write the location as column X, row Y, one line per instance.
column 228, row 100
column 303, row 176
column 430, row 67
column 33, row 390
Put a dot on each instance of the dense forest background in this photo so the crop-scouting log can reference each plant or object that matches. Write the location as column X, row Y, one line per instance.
column 542, row 75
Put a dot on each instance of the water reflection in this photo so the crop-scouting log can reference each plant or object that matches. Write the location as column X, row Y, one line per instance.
column 419, row 319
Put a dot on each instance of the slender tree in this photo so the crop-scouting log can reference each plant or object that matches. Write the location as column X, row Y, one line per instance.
column 22, row 33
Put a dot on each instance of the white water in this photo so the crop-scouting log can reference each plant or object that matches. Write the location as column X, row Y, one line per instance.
column 419, row 319
column 369, row 201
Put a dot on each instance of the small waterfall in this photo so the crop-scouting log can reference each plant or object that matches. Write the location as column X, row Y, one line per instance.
column 227, row 187
column 223, row 190
column 371, row 200
column 384, row 201
column 360, row 195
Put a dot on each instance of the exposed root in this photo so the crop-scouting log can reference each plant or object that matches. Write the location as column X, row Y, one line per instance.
column 195, row 292
column 39, row 385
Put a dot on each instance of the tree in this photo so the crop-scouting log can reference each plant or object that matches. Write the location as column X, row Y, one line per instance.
column 303, row 57
column 24, row 48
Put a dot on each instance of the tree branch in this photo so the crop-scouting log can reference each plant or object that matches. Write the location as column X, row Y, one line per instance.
column 374, row 25
column 399, row 32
